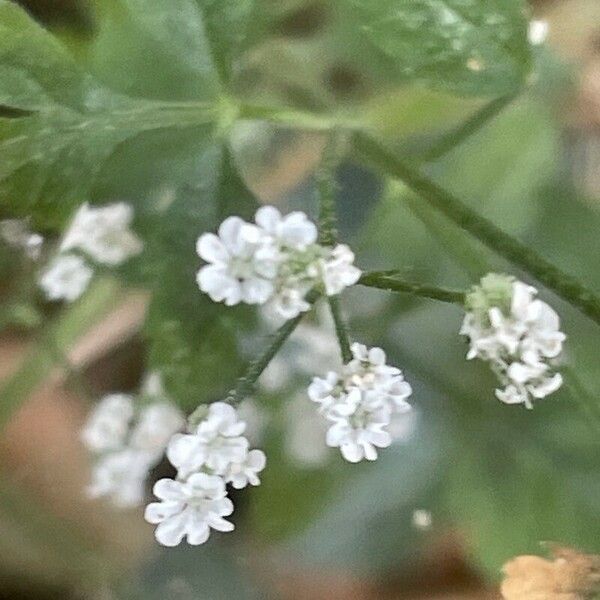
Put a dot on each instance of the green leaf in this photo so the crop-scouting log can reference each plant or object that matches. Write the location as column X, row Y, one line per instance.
column 193, row 341
column 35, row 70
column 228, row 26
column 50, row 156
column 153, row 49
column 469, row 46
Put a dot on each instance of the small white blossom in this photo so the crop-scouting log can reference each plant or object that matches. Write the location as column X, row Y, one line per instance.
column 246, row 472
column 360, row 403
column 126, row 445
column 108, row 424
column 217, row 442
column 241, row 264
column 214, row 455
column 294, row 231
column 16, row 233
column 103, row 233
column 538, row 32
column 157, row 423
column 66, row 278
column 121, row 476
column 339, row 271
column 274, row 261
column 189, row 509
column 422, row 519
column 517, row 334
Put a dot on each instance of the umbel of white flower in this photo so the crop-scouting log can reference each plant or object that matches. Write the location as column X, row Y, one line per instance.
column 214, row 455
column 126, row 444
column 66, row 278
column 518, row 334
column 103, row 234
column 360, row 401
column 274, row 261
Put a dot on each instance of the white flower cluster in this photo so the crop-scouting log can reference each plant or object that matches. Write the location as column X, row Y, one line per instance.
column 274, row 261
column 103, row 234
column 360, row 402
column 16, row 234
column 127, row 446
column 517, row 334
column 215, row 455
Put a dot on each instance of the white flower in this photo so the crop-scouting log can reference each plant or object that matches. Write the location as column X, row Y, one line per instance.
column 156, row 424
column 108, row 424
column 16, row 234
column 339, row 271
column 189, row 508
column 275, row 260
column 288, row 302
column 359, row 433
column 103, row 233
column 237, row 272
column 293, row 231
column 240, row 474
column 216, row 444
column 360, row 402
column 121, row 476
column 66, row 278
column 326, row 391
column 152, row 386
column 538, row 32
column 518, row 334
column 379, row 379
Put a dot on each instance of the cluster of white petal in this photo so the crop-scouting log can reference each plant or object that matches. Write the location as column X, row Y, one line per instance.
column 517, row 334
column 214, row 455
column 66, row 277
column 16, row 234
column 103, row 234
column 274, row 261
column 360, row 401
column 127, row 444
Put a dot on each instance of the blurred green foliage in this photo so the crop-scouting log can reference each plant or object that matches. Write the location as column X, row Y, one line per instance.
column 140, row 109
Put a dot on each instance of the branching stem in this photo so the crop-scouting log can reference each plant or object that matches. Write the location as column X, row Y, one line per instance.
column 566, row 286
column 390, row 281
column 326, row 190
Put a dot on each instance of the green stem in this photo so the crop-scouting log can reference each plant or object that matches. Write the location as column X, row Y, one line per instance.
column 472, row 125
column 246, row 383
column 341, row 328
column 569, row 288
column 287, row 117
column 326, row 190
column 388, row 280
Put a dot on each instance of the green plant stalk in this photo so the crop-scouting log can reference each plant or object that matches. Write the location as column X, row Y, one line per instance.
column 472, row 125
column 569, row 288
column 389, row 280
column 326, row 190
column 246, row 383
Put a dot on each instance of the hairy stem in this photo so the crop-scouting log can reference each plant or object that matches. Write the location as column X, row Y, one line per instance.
column 245, row 384
column 390, row 281
column 566, row 286
column 326, row 190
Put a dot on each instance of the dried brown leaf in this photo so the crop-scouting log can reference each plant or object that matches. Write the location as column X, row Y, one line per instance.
column 567, row 575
